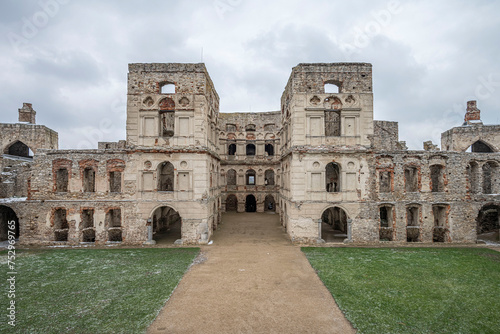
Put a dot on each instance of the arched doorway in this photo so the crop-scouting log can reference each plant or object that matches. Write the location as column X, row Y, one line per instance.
column 167, row 225
column 231, row 203
column 334, row 225
column 269, row 204
column 7, row 215
column 488, row 225
column 251, row 204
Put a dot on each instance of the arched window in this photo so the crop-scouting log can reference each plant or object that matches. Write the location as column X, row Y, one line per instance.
column 19, row 149
column 250, row 127
column 250, row 149
column 250, row 175
column 480, row 147
column 332, row 178
column 167, row 88
column 269, row 177
column 231, row 149
column 166, row 177
column 269, row 149
column 231, row 177
column 331, row 88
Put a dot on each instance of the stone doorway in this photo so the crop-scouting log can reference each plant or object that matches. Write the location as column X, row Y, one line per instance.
column 250, row 204
column 167, row 225
column 488, row 225
column 8, row 215
column 334, row 225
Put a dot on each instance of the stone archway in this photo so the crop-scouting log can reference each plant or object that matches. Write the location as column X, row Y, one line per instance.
column 167, row 225
column 334, row 227
column 250, row 204
column 488, row 224
column 7, row 215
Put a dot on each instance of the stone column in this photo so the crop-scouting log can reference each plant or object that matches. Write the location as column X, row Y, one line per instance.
column 150, row 240
column 349, row 230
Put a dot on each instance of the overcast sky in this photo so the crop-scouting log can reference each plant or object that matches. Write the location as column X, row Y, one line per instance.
column 69, row 57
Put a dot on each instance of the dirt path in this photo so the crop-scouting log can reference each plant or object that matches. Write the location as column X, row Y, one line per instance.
column 253, row 281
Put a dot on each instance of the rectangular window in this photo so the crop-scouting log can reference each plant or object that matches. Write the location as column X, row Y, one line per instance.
column 332, row 123
column 115, row 182
column 62, row 180
column 251, row 180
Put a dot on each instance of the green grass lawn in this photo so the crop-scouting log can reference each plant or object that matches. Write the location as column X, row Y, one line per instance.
column 413, row 290
column 92, row 290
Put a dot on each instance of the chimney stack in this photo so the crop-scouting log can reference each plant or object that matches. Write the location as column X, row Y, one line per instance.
column 472, row 114
column 27, row 114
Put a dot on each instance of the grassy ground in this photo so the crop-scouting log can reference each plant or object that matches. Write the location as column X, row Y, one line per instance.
column 92, row 290
column 413, row 290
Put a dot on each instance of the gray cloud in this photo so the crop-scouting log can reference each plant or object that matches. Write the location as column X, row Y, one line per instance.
column 428, row 57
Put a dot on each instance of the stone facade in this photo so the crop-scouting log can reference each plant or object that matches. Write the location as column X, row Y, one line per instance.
column 322, row 163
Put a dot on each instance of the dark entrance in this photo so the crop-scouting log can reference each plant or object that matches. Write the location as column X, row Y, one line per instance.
column 488, row 225
column 334, row 225
column 250, row 204
column 8, row 215
column 231, row 203
column 167, row 225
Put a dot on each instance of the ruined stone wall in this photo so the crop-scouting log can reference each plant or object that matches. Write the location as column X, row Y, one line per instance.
column 186, row 117
column 385, row 135
column 34, row 136
column 195, row 196
column 313, row 117
column 460, row 138
column 239, row 131
column 14, row 177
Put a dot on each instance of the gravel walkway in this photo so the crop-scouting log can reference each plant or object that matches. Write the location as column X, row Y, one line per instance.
column 251, row 280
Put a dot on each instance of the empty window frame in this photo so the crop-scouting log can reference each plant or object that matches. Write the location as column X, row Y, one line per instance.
column 250, row 177
column 411, row 179
column 87, row 225
column 332, row 123
column 386, row 231
column 413, row 224
column 269, row 148
column 115, row 182
column 62, row 179
column 167, row 88
column 166, row 176
column 89, row 180
column 113, row 221
column 440, row 230
column 385, row 181
column 231, row 149
column 250, row 149
column 61, row 226
column 269, row 177
column 437, row 178
column 332, row 173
